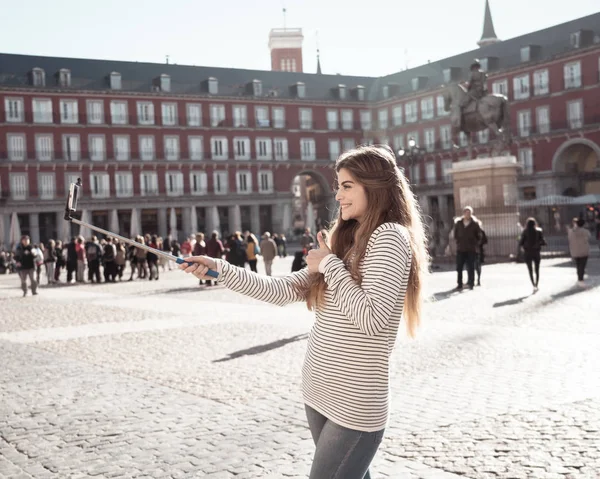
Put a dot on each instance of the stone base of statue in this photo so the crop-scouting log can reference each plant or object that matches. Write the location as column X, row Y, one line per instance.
column 489, row 186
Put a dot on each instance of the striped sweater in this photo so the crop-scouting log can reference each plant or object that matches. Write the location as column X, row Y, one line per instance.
column 345, row 375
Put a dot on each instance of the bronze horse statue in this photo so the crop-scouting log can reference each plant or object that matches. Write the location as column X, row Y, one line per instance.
column 490, row 111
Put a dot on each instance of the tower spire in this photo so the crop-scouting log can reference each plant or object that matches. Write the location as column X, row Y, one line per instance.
column 488, row 36
column 318, row 56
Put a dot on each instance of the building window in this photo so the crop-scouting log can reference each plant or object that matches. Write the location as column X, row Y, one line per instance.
column 365, row 120
column 148, row 184
column 575, row 114
column 16, row 146
column 576, row 39
column 171, row 148
column 281, row 149
column 429, row 139
column 384, row 140
column 196, row 147
column 115, row 81
column 38, row 77
column 463, row 139
column 42, row 111
column 397, row 115
column 217, row 115
column 430, row 176
column 64, row 77
column 265, row 181
column 278, row 117
column 521, row 87
column 121, row 147
column 483, row 136
column 382, row 117
column 526, row 160
column 46, row 186
column 243, row 182
column 410, row 112
column 96, row 147
column 500, row 87
column 71, row 148
column 221, row 182
column 18, row 186
column 305, row 118
column 540, row 82
column 145, row 112
column 100, row 185
column 118, row 112
column 427, row 108
column 95, row 112
column 525, row 54
column 165, row 82
column 263, row 149
column 441, row 106
column 213, row 86
column 524, row 122
column 398, row 142
column 44, row 148
column 347, row 119
column 147, row 151
column 446, row 136
column 572, row 72
column 334, row 149
column 261, row 114
column 198, row 183
column 174, row 183
column 301, row 89
column 415, row 174
column 307, row 149
column 169, row 114
column 241, row 148
column 240, row 116
column 69, row 179
column 543, row 119
column 218, row 147
column 69, row 111
column 257, row 87
column 446, row 169
column 348, row 144
column 194, row 114
column 332, row 119
column 124, row 185
column 342, row 91
column 13, row 108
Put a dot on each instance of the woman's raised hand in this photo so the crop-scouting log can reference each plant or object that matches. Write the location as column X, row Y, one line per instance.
column 200, row 266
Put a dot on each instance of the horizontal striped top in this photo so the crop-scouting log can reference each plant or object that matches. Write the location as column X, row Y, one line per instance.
column 345, row 375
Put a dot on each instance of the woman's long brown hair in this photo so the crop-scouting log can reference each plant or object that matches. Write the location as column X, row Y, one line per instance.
column 389, row 199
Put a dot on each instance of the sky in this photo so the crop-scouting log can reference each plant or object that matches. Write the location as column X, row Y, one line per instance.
column 356, row 37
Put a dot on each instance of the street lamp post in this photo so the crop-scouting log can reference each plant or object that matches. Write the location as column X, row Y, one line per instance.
column 411, row 154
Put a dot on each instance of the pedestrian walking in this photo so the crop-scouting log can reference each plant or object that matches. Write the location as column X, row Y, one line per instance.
column 252, row 252
column 532, row 240
column 268, row 249
column 579, row 246
column 358, row 284
column 50, row 260
column 93, row 253
column 81, row 259
column 467, row 235
column 214, row 249
column 25, row 261
column 480, row 258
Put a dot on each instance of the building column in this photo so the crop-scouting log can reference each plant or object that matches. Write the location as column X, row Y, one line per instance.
column 235, row 218
column 255, row 220
column 212, row 220
column 186, row 224
column 162, row 223
column 4, row 229
column 34, row 227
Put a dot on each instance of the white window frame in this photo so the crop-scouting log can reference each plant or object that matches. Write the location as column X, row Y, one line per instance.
column 525, row 156
column 334, row 152
column 221, row 182
column 307, row 149
column 117, row 117
column 264, row 153
column 240, row 116
column 427, row 108
column 44, row 147
column 147, row 154
column 165, row 82
column 123, row 184
column 145, row 112
column 306, row 118
column 169, row 113
column 541, row 85
column 217, row 114
column 261, row 117
column 542, row 124
column 348, row 144
column 93, row 154
column 383, row 118
column 219, row 152
column 151, row 188
column 521, row 87
column 429, row 137
column 18, row 138
column 69, row 111
column 366, row 120
column 172, row 147
column 122, row 147
column 398, row 142
column 70, row 154
column 39, row 77
column 115, row 81
column 500, row 87
column 174, row 183
column 333, row 119
column 192, row 118
column 446, row 169
column 201, row 184
column 268, row 174
column 483, row 136
column 572, row 75
column 397, row 115
column 241, row 148
column 243, row 182
column 575, row 121
column 19, row 185
column 46, row 185
column 430, row 173
column 280, row 149
column 95, row 118
column 196, row 155
column 410, row 112
column 347, row 116
column 524, row 123
column 42, row 115
column 213, row 86
column 99, row 185
column 278, row 114
column 445, row 137
column 14, row 110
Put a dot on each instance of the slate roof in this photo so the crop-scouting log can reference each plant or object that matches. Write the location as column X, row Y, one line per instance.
column 185, row 79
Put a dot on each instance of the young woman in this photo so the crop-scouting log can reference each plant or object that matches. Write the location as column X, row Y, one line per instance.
column 360, row 284
column 532, row 240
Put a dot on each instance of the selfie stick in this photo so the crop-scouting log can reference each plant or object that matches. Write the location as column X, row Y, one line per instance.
column 72, row 207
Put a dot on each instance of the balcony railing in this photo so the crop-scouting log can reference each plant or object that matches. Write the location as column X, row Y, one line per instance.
column 572, row 82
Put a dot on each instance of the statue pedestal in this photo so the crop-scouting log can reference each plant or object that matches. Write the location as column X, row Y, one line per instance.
column 489, row 186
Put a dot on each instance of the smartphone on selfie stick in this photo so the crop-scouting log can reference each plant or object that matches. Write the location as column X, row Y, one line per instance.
column 72, row 207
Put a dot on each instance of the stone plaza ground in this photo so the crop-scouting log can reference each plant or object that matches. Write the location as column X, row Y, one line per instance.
column 167, row 379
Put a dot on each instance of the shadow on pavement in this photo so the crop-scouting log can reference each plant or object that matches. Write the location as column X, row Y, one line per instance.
column 262, row 348
column 444, row 294
column 510, row 302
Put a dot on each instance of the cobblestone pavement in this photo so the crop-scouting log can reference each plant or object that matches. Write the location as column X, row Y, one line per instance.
column 168, row 379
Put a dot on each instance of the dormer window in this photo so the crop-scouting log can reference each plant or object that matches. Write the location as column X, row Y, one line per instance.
column 415, row 84
column 485, row 64
column 115, row 81
column 301, row 90
column 213, row 86
column 525, row 54
column 342, row 92
column 257, row 88
column 576, row 39
column 38, row 77
column 447, row 75
column 360, row 93
column 165, row 82
column 385, row 91
column 64, row 77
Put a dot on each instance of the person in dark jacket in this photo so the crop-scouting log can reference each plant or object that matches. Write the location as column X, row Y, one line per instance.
column 480, row 259
column 25, row 259
column 214, row 249
column 467, row 235
column 532, row 240
column 71, row 259
column 93, row 252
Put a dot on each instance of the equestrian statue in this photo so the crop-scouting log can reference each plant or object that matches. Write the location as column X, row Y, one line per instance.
column 472, row 109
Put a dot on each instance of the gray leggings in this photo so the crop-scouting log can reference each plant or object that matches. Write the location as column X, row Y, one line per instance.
column 341, row 453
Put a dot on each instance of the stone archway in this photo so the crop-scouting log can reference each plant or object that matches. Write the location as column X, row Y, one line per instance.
column 311, row 190
column 577, row 166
